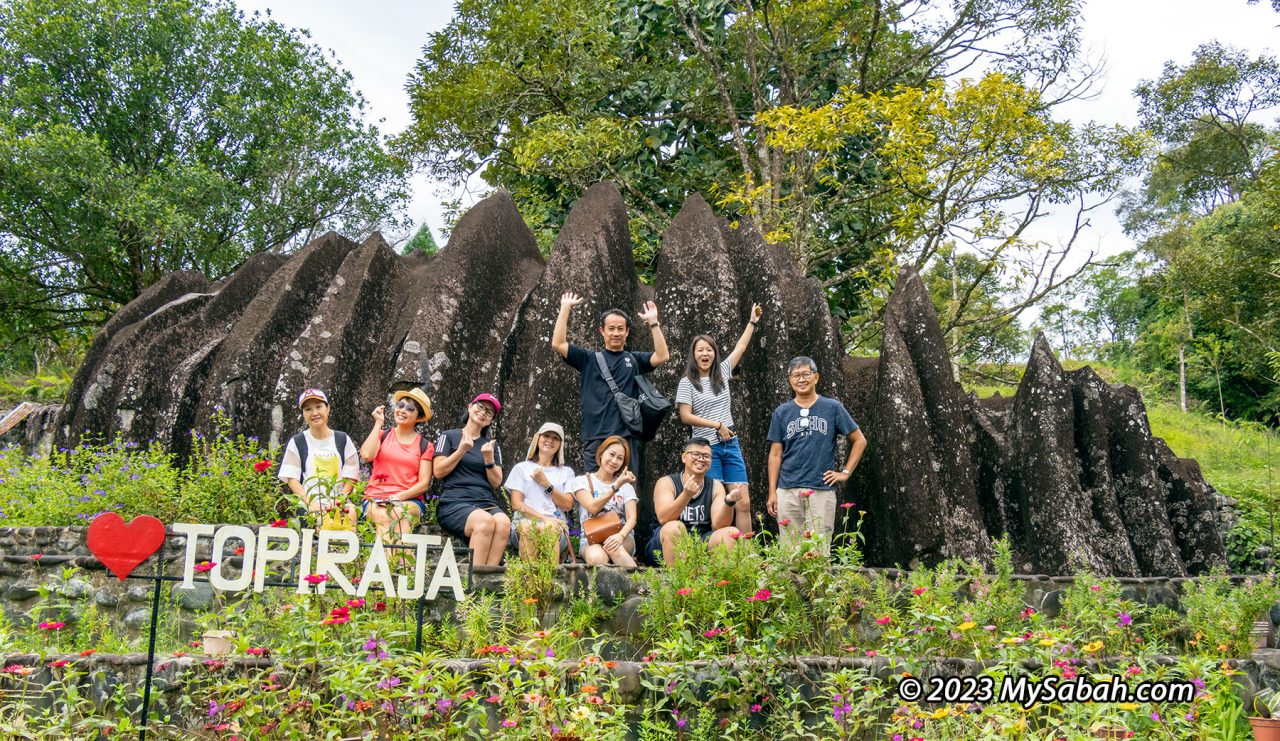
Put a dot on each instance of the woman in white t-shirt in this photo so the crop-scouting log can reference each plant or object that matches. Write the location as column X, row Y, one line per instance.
column 313, row 467
column 541, row 488
column 704, row 403
column 609, row 490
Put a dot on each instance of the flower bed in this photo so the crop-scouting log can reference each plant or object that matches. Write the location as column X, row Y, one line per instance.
column 768, row 638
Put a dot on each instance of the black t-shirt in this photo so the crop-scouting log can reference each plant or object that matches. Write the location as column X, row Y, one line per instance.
column 468, row 482
column 600, row 416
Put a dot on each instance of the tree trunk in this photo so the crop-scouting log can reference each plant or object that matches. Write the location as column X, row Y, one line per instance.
column 1182, row 378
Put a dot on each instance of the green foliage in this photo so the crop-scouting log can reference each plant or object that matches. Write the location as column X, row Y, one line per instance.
column 72, row 487
column 422, row 242
column 1220, row 614
column 140, row 137
column 669, row 97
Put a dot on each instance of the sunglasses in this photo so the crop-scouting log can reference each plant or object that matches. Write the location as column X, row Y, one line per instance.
column 407, row 405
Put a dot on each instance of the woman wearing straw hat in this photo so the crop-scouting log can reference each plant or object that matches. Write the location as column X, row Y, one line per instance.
column 469, row 466
column 393, row 500
column 541, row 488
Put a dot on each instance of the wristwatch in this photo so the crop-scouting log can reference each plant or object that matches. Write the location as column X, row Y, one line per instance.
column 654, row 325
column 549, row 489
column 490, row 465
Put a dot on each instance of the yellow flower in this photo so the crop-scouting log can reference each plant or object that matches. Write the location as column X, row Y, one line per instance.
column 1223, row 647
column 1130, row 706
column 968, row 625
column 1091, row 647
column 1048, row 641
column 531, row 601
column 1012, row 639
column 581, row 713
column 940, row 713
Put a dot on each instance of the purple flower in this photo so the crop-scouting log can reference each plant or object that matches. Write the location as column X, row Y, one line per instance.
column 1124, row 618
column 444, row 703
column 389, row 682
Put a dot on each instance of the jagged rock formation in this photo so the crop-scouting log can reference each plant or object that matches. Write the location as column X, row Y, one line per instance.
column 1067, row 467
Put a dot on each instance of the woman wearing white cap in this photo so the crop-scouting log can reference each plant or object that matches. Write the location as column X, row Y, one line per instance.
column 469, row 466
column 540, row 487
column 320, row 465
column 401, row 458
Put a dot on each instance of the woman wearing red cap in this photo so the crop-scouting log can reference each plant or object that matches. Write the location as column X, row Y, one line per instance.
column 469, row 465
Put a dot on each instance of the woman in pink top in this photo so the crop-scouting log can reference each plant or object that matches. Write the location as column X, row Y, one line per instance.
column 401, row 458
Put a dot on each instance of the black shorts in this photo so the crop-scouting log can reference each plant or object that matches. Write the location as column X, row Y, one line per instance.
column 453, row 516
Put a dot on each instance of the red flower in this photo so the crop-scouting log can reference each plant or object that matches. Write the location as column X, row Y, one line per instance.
column 37, row 556
column 807, row 493
column 280, row 523
column 847, row 505
column 59, row 662
column 379, row 478
column 239, row 551
column 684, row 591
column 89, row 652
column 258, row 651
column 722, row 583
column 784, row 523
column 204, row 566
column 380, row 607
column 761, row 596
column 262, row 466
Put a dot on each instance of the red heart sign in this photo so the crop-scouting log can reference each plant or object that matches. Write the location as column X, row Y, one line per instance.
column 122, row 547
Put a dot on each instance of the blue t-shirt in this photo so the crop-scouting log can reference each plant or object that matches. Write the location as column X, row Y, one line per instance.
column 600, row 415
column 808, row 438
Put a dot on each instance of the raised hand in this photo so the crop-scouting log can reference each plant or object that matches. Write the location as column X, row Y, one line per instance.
column 539, row 477
column 467, row 441
column 756, row 312
column 648, row 313
column 569, row 299
column 624, row 478
column 380, row 415
column 487, row 450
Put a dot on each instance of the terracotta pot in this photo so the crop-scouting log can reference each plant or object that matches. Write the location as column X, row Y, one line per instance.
column 217, row 642
column 1265, row 729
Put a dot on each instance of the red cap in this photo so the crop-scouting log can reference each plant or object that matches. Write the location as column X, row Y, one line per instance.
column 497, row 405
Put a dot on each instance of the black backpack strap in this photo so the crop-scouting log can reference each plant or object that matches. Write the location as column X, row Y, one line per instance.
column 300, row 442
column 423, row 442
column 340, row 438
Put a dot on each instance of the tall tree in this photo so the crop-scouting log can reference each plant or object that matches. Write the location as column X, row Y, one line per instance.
column 139, row 137
column 666, row 97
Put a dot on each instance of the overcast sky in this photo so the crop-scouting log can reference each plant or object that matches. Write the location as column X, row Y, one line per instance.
column 379, row 41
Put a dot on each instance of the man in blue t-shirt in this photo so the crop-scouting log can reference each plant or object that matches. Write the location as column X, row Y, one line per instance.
column 600, row 415
column 802, row 454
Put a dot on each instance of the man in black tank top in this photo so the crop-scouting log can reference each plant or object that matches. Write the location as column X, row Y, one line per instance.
column 691, row 502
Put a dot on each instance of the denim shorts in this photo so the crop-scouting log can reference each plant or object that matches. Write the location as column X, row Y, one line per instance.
column 726, row 462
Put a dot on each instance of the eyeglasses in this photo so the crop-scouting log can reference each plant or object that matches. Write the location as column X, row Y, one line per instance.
column 804, row 376
column 484, row 409
column 698, row 456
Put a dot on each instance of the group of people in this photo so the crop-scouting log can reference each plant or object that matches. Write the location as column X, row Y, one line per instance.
column 708, row 497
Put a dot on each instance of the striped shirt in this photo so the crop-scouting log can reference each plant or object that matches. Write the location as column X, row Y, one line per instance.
column 707, row 405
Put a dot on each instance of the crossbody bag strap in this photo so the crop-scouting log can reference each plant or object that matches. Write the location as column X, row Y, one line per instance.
column 604, row 371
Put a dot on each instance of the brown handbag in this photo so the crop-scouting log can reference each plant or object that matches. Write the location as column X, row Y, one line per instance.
column 598, row 529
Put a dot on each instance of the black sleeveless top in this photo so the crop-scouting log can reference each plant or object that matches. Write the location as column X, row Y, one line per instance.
column 697, row 513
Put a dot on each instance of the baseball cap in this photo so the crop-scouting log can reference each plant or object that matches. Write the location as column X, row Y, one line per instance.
column 497, row 405
column 312, row 394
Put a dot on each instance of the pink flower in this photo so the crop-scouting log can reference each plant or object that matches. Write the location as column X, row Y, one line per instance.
column 784, row 523
column 884, row 620
column 59, row 662
column 712, row 633
column 508, row 723
column 257, row 651
column 872, row 654
column 684, row 591
column 761, row 596
column 279, row 523
column 355, row 603
column 847, row 505
column 807, row 493
column 52, row 625
column 1095, row 588
column 919, row 591
column 755, row 707
column 316, row 578
column 204, row 566
column 37, row 556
